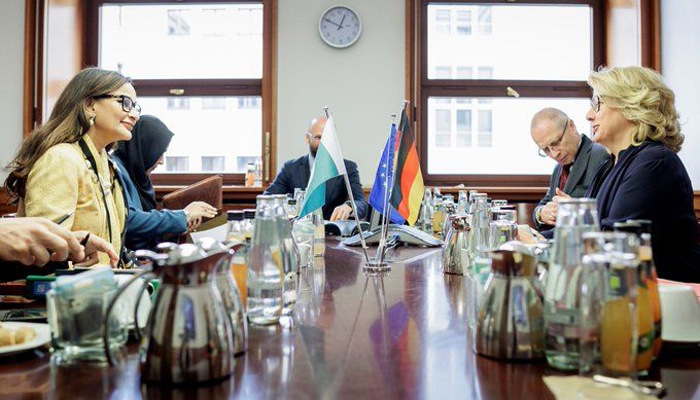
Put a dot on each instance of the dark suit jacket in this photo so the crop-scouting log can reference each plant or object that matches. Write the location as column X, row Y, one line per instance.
column 588, row 158
column 296, row 174
column 650, row 182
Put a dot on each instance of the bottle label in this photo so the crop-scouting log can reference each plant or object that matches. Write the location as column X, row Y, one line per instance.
column 618, row 285
column 646, row 342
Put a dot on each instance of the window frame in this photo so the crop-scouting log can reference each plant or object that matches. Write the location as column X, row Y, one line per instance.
column 263, row 87
column 420, row 88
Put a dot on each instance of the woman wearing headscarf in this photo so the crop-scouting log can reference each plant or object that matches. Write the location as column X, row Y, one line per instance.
column 136, row 159
column 634, row 116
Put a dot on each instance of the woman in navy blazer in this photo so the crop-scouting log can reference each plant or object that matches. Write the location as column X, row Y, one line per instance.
column 136, row 159
column 633, row 115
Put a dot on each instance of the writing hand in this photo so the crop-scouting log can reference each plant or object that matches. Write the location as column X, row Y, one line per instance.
column 562, row 194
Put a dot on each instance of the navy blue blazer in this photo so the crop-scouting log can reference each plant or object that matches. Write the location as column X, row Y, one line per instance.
column 145, row 229
column 296, row 173
column 650, row 182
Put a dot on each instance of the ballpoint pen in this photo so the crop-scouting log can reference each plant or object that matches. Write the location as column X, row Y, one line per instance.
column 64, row 218
column 85, row 239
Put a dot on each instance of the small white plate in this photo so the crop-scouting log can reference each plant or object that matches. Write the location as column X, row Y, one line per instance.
column 43, row 336
column 680, row 314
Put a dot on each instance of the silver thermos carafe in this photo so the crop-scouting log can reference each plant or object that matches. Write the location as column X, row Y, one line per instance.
column 190, row 337
column 456, row 240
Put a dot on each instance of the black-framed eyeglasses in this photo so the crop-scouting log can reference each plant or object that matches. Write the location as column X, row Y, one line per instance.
column 595, row 103
column 544, row 152
column 127, row 102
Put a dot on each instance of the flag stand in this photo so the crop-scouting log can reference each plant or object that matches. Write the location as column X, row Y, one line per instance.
column 354, row 207
column 380, row 265
column 388, row 181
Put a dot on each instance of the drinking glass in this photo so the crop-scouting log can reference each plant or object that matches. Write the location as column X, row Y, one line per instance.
column 563, row 284
column 265, row 280
column 76, row 321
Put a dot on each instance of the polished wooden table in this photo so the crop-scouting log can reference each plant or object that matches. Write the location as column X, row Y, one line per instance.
column 403, row 336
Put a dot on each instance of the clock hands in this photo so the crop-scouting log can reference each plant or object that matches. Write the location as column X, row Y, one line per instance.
column 341, row 22
column 334, row 23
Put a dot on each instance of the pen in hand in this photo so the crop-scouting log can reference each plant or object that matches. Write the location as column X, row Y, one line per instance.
column 85, row 239
column 64, row 218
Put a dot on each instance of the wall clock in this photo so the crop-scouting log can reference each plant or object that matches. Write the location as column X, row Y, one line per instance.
column 340, row 26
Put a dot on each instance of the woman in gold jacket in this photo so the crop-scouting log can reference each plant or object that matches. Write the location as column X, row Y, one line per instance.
column 63, row 169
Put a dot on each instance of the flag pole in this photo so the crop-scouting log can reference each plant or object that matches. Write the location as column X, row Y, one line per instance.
column 386, row 210
column 352, row 202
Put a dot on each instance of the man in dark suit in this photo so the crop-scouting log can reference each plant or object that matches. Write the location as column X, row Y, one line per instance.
column 295, row 174
column 577, row 157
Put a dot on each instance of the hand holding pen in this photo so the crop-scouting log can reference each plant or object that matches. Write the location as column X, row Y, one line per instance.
column 36, row 241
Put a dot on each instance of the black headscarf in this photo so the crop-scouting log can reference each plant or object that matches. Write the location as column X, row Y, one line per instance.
column 149, row 140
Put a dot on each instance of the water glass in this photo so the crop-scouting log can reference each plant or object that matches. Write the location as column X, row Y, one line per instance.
column 563, row 284
column 304, row 235
column 265, row 278
column 76, row 321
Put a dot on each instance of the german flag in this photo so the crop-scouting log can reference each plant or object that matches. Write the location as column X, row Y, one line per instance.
column 407, row 192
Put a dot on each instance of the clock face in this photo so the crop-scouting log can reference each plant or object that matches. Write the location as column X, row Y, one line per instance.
column 340, row 26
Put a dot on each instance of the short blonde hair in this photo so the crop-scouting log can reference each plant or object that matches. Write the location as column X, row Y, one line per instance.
column 644, row 99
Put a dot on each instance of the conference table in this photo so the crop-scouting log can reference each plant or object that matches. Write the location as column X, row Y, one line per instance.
column 352, row 336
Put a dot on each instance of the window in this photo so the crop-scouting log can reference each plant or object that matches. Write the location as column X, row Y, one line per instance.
column 464, row 128
column 443, row 72
column 178, row 103
column 464, row 22
column 442, row 128
column 443, row 22
column 485, row 72
column 249, row 102
column 484, row 23
column 177, row 163
column 484, row 128
column 464, row 72
column 469, row 128
column 213, row 164
column 177, row 23
column 214, row 101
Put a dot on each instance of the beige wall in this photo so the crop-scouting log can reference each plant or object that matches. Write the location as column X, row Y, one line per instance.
column 680, row 63
column 362, row 84
column 12, row 71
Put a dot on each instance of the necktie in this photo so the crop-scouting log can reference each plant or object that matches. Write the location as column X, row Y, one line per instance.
column 564, row 176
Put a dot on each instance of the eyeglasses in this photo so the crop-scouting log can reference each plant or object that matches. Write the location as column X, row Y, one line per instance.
column 127, row 103
column 595, row 103
column 544, row 152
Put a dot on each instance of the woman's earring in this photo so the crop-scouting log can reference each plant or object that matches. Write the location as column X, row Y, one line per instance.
column 92, row 120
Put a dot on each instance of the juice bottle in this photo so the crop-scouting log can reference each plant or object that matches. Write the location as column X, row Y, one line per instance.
column 618, row 350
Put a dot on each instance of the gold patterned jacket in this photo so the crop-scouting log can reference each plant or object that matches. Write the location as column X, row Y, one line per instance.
column 63, row 180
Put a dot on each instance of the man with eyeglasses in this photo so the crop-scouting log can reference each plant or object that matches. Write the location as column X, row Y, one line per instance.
column 295, row 174
column 577, row 157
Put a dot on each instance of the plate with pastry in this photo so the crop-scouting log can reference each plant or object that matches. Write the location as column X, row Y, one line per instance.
column 16, row 337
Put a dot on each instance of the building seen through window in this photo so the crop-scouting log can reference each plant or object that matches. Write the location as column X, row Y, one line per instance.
column 472, row 133
column 212, row 130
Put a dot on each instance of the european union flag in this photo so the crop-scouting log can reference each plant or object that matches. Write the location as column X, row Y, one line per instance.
column 384, row 179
